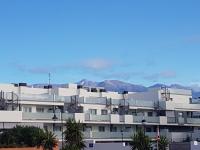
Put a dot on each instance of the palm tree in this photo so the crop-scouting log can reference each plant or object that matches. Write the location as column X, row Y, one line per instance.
column 140, row 141
column 73, row 135
column 49, row 140
column 163, row 143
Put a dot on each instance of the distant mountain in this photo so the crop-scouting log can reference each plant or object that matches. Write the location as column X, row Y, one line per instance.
column 114, row 85
column 176, row 86
column 86, row 82
column 119, row 86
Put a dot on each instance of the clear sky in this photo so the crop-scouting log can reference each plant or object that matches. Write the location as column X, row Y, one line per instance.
column 138, row 41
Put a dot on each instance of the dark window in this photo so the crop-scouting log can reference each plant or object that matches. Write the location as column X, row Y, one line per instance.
column 101, row 129
column 150, row 113
column 91, row 145
column 148, row 129
column 113, row 129
column 104, row 112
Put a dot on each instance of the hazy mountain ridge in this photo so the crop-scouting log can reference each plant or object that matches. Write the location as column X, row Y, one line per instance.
column 119, row 86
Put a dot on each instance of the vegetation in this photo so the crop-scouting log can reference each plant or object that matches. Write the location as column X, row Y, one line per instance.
column 49, row 140
column 140, row 141
column 25, row 136
column 163, row 143
column 73, row 135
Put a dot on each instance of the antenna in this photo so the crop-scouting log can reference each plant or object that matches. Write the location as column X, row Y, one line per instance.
column 49, row 78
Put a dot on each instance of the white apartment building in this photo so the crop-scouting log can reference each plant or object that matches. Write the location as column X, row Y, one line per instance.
column 106, row 116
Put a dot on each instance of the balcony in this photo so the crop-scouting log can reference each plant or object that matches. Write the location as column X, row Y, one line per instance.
column 95, row 100
column 114, row 135
column 193, row 120
column 148, row 119
column 109, row 135
column 171, row 120
column 141, row 103
column 97, row 118
column 41, row 97
column 174, row 120
column 44, row 116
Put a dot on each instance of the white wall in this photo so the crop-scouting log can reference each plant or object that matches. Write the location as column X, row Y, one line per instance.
column 28, row 90
column 8, row 88
column 10, row 116
column 151, row 95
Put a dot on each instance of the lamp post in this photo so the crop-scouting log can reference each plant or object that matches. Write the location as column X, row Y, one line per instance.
column 54, row 118
column 144, row 123
column 122, row 133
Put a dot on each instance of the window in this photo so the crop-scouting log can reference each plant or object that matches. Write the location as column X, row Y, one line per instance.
column 45, row 127
column 101, row 129
column 92, row 111
column 134, row 112
column 39, row 109
column 27, row 109
column 113, row 129
column 148, row 129
column 57, row 128
column 88, row 128
column 150, row 113
column 127, row 129
column 91, row 145
column 104, row 112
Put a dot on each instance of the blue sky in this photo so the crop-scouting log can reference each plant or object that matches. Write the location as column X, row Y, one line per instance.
column 142, row 42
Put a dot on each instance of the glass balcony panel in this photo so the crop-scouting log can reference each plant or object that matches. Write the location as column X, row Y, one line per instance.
column 139, row 119
column 39, row 116
column 45, row 116
column 140, row 103
column 66, row 116
column 171, row 120
column 98, row 118
column 115, row 101
column 193, row 120
column 38, row 97
column 111, row 135
column 95, row 100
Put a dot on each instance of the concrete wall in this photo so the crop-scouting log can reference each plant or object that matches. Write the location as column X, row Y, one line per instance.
column 179, row 146
column 10, row 116
column 107, row 146
column 185, row 146
column 151, row 95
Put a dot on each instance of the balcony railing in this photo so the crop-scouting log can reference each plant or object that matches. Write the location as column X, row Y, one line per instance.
column 140, row 103
column 44, row 116
column 193, row 120
column 110, row 135
column 114, row 135
column 171, row 120
column 97, row 118
column 148, row 119
column 95, row 100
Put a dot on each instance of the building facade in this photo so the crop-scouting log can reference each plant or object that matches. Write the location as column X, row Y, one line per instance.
column 106, row 116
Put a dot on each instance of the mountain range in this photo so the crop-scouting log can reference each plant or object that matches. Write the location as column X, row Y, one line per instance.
column 120, row 86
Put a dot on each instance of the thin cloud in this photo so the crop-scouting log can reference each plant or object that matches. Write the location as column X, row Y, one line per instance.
column 85, row 65
column 161, row 75
column 97, row 64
